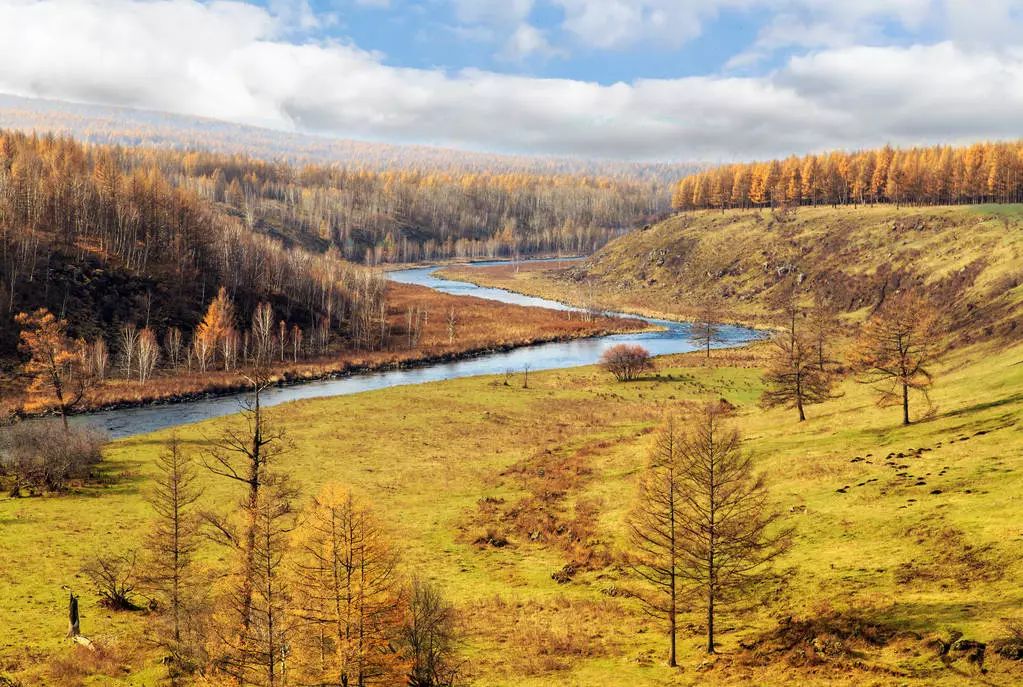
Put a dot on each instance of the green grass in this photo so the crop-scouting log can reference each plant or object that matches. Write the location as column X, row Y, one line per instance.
column 425, row 454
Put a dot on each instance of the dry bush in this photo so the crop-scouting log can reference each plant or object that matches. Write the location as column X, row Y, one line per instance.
column 114, row 579
column 41, row 455
column 826, row 636
column 625, row 362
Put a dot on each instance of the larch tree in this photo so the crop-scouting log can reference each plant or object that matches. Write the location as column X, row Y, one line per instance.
column 216, row 323
column 728, row 533
column 56, row 364
column 346, row 595
column 793, row 378
column 705, row 329
column 245, row 455
column 172, row 545
column 896, row 349
column 823, row 327
column 429, row 638
column 655, row 533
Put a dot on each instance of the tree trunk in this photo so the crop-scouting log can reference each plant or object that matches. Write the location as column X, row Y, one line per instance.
column 74, row 628
column 710, row 621
column 905, row 404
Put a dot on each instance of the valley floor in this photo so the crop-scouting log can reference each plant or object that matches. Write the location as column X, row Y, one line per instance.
column 903, row 532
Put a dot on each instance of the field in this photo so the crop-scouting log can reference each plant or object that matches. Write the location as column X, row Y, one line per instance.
column 480, row 325
column 903, row 533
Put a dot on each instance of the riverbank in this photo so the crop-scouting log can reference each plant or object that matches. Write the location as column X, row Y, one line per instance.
column 480, row 327
column 550, row 280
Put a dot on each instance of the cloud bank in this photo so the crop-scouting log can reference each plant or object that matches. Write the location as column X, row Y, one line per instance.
column 242, row 63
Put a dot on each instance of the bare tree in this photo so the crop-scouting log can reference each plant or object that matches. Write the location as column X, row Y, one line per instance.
column 794, row 377
column 172, row 346
column 728, row 533
column 99, row 358
column 282, row 338
column 172, row 545
column 203, row 346
column 896, row 348
column 655, row 533
column 115, row 579
column 429, row 637
column 296, row 341
column 452, row 324
column 129, row 334
column 823, row 328
column 245, row 456
column 706, row 329
column 263, row 333
column 148, row 354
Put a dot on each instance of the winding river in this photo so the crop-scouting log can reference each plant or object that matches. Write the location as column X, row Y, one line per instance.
column 674, row 337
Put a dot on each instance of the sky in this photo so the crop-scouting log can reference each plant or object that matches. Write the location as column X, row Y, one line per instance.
column 671, row 80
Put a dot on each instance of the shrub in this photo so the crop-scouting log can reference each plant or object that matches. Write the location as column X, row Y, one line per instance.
column 114, row 579
column 41, row 455
column 625, row 362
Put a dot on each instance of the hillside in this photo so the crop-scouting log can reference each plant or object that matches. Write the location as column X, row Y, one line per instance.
column 966, row 258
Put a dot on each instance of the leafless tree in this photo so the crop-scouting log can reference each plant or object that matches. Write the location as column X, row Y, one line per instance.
column 99, row 358
column 794, row 378
column 729, row 534
column 296, row 341
column 172, row 544
column 706, row 329
column 655, row 533
column 452, row 324
column 115, row 579
column 263, row 333
column 148, row 354
column 172, row 346
column 129, row 334
column 429, row 637
column 896, row 349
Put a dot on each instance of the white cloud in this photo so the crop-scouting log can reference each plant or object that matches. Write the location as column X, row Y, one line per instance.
column 528, row 41
column 236, row 62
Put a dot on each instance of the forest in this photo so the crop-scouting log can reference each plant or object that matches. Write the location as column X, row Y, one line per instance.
column 104, row 235
column 938, row 175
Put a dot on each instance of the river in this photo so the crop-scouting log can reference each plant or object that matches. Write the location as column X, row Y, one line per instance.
column 673, row 338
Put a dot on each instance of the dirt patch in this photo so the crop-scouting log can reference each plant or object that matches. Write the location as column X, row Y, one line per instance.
column 549, row 512
column 950, row 557
column 832, row 637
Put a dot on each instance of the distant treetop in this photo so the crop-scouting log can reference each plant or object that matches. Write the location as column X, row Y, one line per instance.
column 939, row 175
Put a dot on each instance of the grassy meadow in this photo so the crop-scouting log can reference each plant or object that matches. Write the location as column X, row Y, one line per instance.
column 902, row 532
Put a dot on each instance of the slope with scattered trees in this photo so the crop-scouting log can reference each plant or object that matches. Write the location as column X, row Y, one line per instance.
column 964, row 260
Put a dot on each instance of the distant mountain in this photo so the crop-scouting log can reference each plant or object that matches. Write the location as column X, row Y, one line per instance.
column 130, row 127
